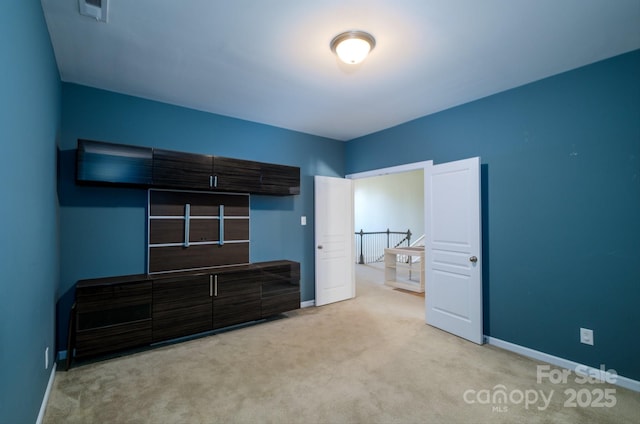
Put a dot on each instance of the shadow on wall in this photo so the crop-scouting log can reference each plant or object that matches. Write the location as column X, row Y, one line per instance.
column 63, row 317
column 272, row 203
column 484, row 200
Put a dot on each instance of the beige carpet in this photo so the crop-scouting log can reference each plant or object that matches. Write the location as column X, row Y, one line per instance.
column 367, row 360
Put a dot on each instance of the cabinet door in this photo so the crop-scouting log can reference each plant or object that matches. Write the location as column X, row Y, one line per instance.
column 182, row 170
column 279, row 179
column 112, row 317
column 236, row 298
column 113, row 164
column 181, row 306
column 236, row 174
column 280, row 287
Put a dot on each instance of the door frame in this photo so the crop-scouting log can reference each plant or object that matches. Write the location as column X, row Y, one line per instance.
column 415, row 166
column 405, row 168
column 391, row 170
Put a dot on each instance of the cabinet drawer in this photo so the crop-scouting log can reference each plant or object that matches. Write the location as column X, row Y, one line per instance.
column 282, row 270
column 280, row 287
column 280, row 279
column 112, row 296
column 162, row 259
column 277, row 304
column 94, row 319
column 113, row 338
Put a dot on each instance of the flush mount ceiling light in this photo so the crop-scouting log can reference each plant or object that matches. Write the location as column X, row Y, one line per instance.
column 352, row 46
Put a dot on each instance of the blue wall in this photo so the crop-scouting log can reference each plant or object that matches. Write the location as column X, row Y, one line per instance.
column 561, row 170
column 103, row 229
column 29, row 126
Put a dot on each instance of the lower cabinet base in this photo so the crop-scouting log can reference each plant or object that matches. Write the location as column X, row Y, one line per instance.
column 88, row 357
column 213, row 332
column 118, row 315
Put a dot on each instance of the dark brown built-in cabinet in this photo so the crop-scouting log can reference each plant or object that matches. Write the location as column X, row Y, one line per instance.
column 117, row 164
column 124, row 312
column 187, row 170
column 198, row 276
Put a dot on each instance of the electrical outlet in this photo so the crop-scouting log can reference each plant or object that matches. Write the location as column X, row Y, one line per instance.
column 46, row 358
column 586, row 336
column 303, row 220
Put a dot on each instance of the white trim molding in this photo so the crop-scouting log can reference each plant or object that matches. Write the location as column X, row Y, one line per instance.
column 308, row 303
column 578, row 368
column 45, row 400
column 390, row 170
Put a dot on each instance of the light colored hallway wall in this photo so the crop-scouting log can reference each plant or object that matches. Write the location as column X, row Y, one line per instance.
column 394, row 201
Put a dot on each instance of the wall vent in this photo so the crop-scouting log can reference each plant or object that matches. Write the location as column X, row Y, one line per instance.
column 96, row 9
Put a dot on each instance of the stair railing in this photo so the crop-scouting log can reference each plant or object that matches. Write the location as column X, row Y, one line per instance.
column 370, row 245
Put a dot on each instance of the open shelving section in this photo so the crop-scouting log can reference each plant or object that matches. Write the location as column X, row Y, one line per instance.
column 405, row 273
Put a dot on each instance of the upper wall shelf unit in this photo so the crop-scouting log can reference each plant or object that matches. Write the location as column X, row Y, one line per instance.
column 118, row 164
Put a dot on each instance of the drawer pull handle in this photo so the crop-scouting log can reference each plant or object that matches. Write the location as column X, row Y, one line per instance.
column 221, row 223
column 187, row 220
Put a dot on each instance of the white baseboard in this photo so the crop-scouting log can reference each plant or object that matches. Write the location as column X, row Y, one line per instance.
column 308, row 303
column 47, row 392
column 618, row 380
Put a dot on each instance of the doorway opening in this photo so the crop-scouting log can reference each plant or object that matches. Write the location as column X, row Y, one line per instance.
column 391, row 201
column 452, row 253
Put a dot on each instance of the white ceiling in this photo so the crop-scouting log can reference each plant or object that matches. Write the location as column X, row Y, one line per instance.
column 269, row 61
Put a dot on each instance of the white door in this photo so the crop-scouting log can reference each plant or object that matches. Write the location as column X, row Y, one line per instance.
column 335, row 269
column 453, row 248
